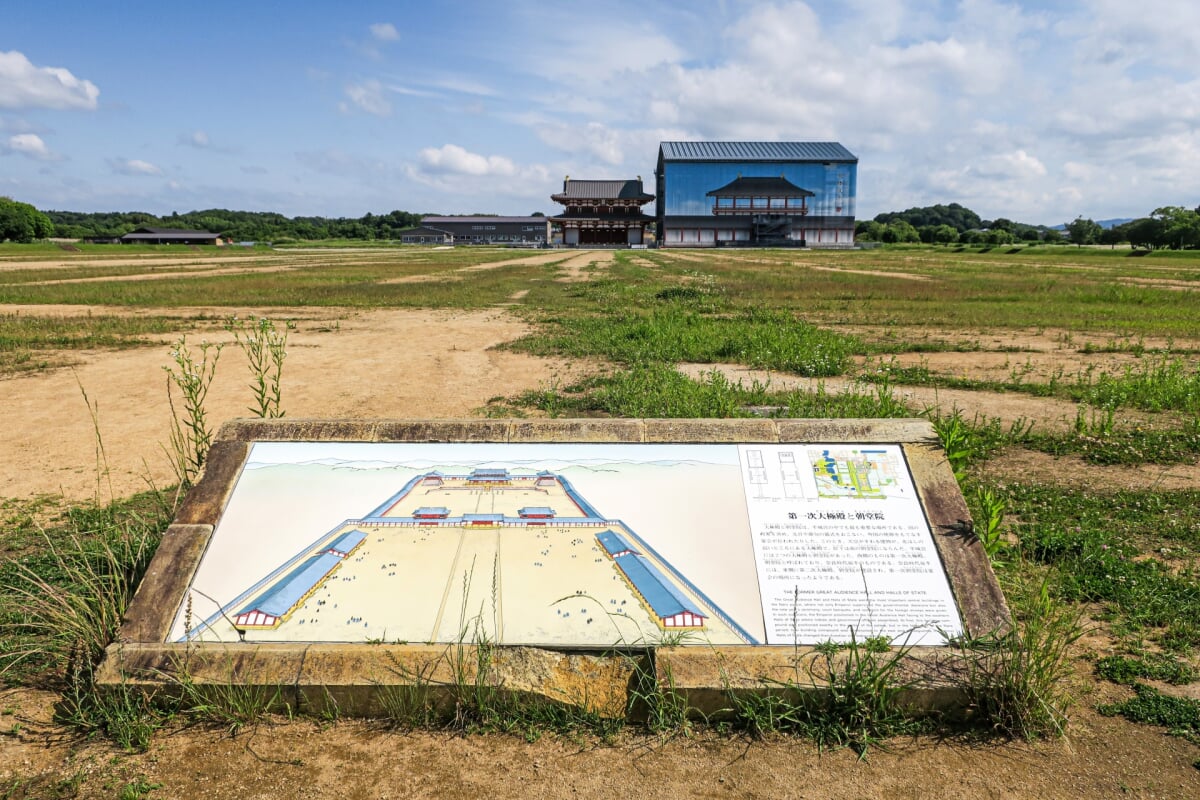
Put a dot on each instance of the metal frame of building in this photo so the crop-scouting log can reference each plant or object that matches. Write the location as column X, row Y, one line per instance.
column 699, row 185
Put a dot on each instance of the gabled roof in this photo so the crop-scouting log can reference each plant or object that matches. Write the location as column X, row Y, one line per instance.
column 421, row 230
column 614, row 543
column 754, row 151
column 347, row 541
column 169, row 233
column 602, row 190
column 172, row 230
column 657, row 590
column 297, row 583
column 760, row 187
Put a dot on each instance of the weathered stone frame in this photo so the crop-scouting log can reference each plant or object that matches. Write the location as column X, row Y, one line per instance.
column 354, row 678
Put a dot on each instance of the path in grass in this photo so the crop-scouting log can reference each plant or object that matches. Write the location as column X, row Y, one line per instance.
column 1050, row 414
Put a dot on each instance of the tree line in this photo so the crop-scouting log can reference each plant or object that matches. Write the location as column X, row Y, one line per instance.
column 253, row 226
column 21, row 222
column 1169, row 227
column 950, row 224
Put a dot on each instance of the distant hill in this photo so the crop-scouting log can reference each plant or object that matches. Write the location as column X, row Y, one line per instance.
column 1103, row 223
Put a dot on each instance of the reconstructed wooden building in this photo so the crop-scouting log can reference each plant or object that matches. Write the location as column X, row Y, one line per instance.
column 602, row 212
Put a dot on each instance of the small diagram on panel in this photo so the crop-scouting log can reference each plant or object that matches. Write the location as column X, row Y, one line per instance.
column 855, row 473
column 756, row 470
column 790, row 472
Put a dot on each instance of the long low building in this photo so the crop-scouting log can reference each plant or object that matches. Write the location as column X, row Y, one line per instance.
column 490, row 230
column 170, row 236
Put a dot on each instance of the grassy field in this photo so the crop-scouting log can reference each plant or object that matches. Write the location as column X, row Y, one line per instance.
column 1125, row 559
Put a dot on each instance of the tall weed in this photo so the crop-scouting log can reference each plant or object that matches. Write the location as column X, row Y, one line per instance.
column 191, row 434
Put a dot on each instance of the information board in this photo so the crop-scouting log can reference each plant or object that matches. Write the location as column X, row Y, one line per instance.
column 585, row 545
column 841, row 543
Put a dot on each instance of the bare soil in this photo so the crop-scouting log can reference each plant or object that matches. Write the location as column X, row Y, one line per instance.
column 398, row 363
column 404, row 364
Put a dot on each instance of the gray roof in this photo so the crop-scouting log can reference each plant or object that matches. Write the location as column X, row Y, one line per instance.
column 478, row 220
column 754, row 151
column 602, row 190
column 169, row 233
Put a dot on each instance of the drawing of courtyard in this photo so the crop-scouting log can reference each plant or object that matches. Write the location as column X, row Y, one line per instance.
column 483, row 553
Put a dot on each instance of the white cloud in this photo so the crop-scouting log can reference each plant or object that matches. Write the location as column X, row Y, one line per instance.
column 384, row 32
column 1017, row 165
column 133, row 166
column 594, row 138
column 368, row 96
column 450, row 158
column 23, row 85
column 29, row 145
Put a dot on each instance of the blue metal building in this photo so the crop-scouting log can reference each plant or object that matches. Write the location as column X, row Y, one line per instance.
column 713, row 194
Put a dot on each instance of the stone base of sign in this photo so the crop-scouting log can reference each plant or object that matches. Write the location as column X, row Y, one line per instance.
column 370, row 679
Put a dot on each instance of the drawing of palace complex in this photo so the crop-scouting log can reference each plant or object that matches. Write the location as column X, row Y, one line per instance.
column 516, row 558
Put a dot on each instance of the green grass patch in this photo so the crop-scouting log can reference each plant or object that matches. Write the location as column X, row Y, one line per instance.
column 1101, row 442
column 1128, row 670
column 26, row 340
column 763, row 339
column 1179, row 715
column 1135, row 553
column 659, row 390
column 64, row 584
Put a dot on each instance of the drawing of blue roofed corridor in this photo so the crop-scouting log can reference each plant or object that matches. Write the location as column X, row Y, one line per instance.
column 520, row 557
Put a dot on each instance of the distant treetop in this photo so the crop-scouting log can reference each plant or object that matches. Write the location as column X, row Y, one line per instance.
column 956, row 216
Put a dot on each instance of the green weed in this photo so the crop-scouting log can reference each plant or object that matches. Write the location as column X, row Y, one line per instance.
column 845, row 695
column 1015, row 679
column 265, row 346
column 137, row 789
column 1154, row 666
column 191, row 435
column 1179, row 715
column 659, row 390
column 968, row 442
column 991, row 508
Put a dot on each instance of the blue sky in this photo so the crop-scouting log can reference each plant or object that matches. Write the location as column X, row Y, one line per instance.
column 1034, row 111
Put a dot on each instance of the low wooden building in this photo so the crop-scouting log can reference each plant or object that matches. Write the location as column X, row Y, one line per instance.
column 170, row 236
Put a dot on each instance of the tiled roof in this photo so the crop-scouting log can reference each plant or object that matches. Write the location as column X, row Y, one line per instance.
column 754, row 151
column 602, row 190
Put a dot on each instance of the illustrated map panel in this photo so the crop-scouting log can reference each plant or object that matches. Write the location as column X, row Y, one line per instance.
column 585, row 545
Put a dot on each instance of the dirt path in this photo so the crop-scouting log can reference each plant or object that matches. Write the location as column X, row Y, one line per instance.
column 459, row 273
column 1011, row 407
column 357, row 761
column 360, row 364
